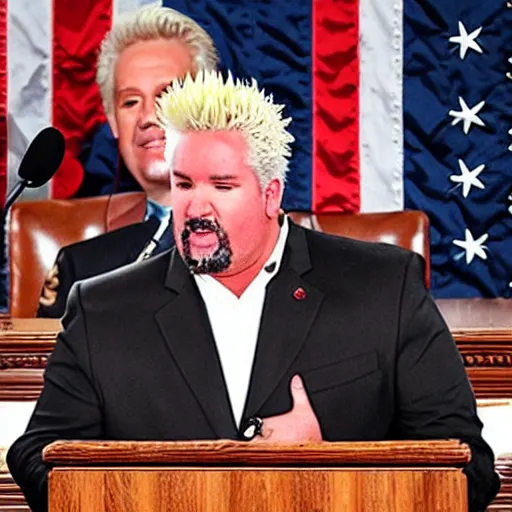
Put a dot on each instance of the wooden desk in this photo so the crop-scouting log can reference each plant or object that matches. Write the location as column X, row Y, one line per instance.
column 220, row 476
column 482, row 329
column 25, row 345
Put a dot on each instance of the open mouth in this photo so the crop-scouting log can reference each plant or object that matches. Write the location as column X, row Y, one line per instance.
column 203, row 238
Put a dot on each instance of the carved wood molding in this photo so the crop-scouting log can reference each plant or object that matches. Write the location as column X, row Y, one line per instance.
column 21, row 350
column 504, row 499
column 22, row 361
column 487, row 356
column 23, row 357
column 21, row 385
column 11, row 497
column 486, row 360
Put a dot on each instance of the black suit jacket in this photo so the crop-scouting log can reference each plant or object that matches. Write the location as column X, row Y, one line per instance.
column 137, row 358
column 90, row 258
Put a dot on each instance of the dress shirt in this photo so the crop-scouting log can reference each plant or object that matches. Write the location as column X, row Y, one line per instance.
column 235, row 323
column 154, row 209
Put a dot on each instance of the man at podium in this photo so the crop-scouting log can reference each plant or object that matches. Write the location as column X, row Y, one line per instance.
column 252, row 328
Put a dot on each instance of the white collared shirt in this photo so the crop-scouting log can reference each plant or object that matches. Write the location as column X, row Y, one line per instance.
column 235, row 322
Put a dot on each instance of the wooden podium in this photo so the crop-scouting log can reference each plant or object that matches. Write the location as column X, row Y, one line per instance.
column 227, row 476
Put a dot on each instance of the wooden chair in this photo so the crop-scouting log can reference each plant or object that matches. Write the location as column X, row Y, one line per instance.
column 38, row 229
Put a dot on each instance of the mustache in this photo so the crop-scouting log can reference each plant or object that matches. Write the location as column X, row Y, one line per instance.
column 197, row 224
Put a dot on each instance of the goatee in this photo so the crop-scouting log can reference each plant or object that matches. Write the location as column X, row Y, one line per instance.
column 220, row 260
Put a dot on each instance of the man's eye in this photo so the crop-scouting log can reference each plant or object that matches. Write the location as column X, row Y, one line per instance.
column 129, row 103
column 223, row 187
column 183, row 185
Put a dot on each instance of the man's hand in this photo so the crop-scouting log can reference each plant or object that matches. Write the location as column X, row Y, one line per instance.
column 299, row 424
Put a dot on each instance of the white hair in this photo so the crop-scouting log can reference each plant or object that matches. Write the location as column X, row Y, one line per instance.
column 208, row 102
column 147, row 24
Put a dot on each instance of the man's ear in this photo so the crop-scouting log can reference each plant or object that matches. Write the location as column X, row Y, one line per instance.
column 273, row 197
column 111, row 118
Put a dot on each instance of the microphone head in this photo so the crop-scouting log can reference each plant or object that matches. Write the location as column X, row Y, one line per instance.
column 43, row 157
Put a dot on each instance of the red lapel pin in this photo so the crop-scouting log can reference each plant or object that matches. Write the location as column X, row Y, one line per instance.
column 300, row 294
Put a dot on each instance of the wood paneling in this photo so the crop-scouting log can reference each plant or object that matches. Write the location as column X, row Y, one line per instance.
column 262, row 490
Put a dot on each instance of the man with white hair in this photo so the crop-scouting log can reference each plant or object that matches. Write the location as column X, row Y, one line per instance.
column 251, row 328
column 139, row 57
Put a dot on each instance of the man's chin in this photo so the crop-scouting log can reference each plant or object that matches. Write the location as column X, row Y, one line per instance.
column 156, row 169
column 201, row 255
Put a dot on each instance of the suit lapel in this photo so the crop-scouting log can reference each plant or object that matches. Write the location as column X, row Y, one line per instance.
column 290, row 308
column 185, row 326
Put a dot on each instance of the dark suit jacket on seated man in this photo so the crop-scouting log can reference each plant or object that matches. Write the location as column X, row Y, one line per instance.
column 323, row 338
column 139, row 57
column 96, row 256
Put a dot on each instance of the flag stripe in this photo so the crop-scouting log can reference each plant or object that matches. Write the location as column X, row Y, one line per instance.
column 77, row 111
column 336, row 106
column 121, row 6
column 3, row 97
column 381, row 129
column 29, row 30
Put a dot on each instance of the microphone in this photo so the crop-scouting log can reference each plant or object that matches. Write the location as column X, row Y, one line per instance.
column 40, row 162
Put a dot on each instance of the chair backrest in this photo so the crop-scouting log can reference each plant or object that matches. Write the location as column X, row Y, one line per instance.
column 38, row 229
column 408, row 229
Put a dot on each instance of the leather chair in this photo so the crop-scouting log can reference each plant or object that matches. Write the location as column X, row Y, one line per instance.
column 38, row 229
column 408, row 229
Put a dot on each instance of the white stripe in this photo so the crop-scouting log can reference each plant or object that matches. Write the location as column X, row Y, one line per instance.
column 121, row 6
column 29, row 86
column 380, row 96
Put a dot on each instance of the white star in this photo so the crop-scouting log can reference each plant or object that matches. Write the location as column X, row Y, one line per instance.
column 468, row 178
column 473, row 247
column 468, row 115
column 466, row 40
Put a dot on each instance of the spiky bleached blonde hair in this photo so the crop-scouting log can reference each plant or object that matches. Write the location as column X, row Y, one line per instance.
column 147, row 24
column 208, row 102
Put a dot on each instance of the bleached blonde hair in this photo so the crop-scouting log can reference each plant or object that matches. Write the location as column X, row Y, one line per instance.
column 147, row 24
column 208, row 102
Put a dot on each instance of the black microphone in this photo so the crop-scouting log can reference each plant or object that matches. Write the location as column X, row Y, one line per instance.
column 40, row 162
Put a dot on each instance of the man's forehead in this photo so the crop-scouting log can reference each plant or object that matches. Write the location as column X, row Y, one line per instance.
column 161, row 60
column 205, row 147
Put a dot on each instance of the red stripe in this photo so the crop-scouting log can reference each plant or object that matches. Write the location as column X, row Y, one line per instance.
column 78, row 28
column 3, row 99
column 335, row 106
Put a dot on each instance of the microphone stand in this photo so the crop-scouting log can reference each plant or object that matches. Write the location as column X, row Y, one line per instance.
column 13, row 195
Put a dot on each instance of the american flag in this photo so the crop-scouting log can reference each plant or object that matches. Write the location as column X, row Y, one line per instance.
column 396, row 104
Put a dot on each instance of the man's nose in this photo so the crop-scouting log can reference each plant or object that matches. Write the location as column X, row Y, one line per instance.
column 147, row 116
column 199, row 206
